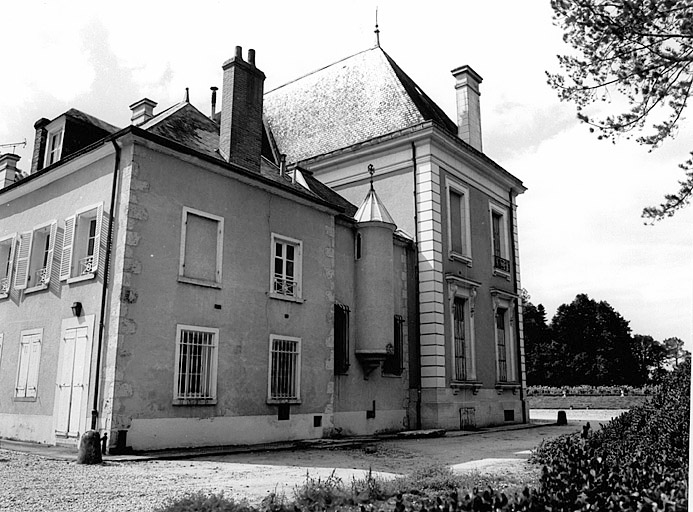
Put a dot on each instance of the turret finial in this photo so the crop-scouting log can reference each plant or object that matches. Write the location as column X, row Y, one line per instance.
column 371, row 171
column 377, row 30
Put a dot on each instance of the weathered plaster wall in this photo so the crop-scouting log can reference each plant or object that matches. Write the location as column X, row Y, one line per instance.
column 241, row 309
column 33, row 420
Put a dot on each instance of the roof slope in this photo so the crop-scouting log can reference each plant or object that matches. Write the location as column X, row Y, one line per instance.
column 358, row 98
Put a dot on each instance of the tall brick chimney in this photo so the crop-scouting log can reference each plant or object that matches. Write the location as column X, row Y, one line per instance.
column 39, row 144
column 468, row 105
column 8, row 169
column 240, row 132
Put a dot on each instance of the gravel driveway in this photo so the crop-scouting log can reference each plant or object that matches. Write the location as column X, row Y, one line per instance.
column 33, row 483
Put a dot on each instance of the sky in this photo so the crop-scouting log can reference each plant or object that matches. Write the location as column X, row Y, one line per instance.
column 580, row 229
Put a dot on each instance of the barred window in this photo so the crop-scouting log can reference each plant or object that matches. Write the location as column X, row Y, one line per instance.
column 341, row 338
column 284, row 379
column 394, row 362
column 196, row 365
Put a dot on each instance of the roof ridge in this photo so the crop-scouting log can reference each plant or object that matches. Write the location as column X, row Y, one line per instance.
column 164, row 114
column 323, row 68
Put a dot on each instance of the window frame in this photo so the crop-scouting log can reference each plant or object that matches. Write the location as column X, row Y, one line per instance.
column 46, row 253
column 298, row 267
column 342, row 354
column 507, row 302
column 53, row 131
column 393, row 366
column 502, row 212
column 466, row 230
column 297, row 371
column 73, row 241
column 213, row 361
column 466, row 290
column 8, row 264
column 29, row 374
column 217, row 282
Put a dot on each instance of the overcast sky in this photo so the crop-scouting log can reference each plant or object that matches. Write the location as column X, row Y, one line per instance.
column 579, row 221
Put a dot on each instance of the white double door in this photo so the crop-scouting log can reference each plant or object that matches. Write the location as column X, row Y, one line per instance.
column 73, row 378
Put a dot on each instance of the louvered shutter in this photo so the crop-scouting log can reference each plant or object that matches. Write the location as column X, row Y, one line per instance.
column 97, row 238
column 10, row 266
column 21, row 278
column 20, row 390
column 32, row 375
column 51, row 247
column 66, row 252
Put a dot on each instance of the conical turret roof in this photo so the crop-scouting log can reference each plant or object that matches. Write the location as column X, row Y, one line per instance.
column 373, row 209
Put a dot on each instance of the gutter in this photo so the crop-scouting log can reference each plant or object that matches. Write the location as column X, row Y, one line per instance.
column 104, row 288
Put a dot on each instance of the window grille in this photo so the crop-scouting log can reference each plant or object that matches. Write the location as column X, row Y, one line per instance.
column 284, row 369
column 341, row 338
column 196, row 371
column 460, row 340
column 500, row 337
column 394, row 362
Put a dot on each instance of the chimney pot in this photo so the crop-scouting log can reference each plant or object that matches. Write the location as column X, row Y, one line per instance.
column 142, row 111
column 214, row 100
column 251, row 57
column 468, row 105
column 239, row 52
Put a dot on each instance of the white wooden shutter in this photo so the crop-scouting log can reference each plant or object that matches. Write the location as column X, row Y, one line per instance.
column 65, row 381
column 20, row 389
column 21, row 278
column 10, row 266
column 51, row 246
column 97, row 237
column 66, row 252
column 32, row 374
column 78, row 380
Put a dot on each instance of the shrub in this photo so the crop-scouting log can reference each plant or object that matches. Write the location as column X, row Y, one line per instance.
column 201, row 502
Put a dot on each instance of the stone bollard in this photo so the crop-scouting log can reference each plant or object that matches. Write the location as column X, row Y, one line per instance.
column 89, row 448
column 562, row 418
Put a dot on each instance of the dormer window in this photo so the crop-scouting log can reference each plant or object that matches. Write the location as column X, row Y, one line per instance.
column 54, row 141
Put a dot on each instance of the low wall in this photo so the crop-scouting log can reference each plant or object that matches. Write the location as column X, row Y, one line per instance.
column 585, row 402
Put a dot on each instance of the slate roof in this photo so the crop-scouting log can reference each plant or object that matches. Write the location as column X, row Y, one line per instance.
column 355, row 99
column 94, row 121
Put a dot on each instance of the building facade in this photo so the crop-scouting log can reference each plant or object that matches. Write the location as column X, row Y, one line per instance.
column 195, row 280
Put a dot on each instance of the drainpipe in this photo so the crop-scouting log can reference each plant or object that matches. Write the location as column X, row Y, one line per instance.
column 104, row 289
column 517, row 309
column 417, row 333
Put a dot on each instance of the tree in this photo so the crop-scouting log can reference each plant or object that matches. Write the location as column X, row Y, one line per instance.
column 642, row 50
column 650, row 356
column 596, row 342
column 540, row 360
column 675, row 352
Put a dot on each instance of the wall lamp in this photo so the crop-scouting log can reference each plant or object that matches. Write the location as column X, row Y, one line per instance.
column 76, row 308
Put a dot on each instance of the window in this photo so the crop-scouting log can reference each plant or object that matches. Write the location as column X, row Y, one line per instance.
column 499, row 237
column 284, row 376
column 7, row 245
column 286, row 267
column 195, row 376
column 201, row 248
column 506, row 357
column 81, row 244
column 462, row 299
column 358, row 246
column 29, row 358
column 35, row 258
column 54, row 146
column 459, row 227
column 394, row 361
column 341, row 338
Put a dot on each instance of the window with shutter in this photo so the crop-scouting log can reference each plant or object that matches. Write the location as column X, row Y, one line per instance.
column 28, row 369
column 201, row 249
column 80, row 255
column 41, row 258
column 341, row 338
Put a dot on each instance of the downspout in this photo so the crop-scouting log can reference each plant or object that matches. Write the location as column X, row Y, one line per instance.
column 517, row 309
column 417, row 328
column 104, row 289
